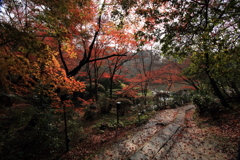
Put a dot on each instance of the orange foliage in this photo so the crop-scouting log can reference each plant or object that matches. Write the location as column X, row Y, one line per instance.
column 128, row 91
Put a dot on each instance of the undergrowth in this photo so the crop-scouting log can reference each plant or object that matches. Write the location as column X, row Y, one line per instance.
column 223, row 128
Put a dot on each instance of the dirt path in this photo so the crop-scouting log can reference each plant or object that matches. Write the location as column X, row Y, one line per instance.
column 171, row 135
column 194, row 143
column 151, row 141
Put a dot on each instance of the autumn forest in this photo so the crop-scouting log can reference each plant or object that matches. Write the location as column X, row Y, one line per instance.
column 74, row 70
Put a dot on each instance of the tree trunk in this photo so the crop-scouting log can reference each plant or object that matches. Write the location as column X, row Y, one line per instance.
column 218, row 92
column 90, row 84
column 145, row 93
column 96, row 90
column 213, row 83
column 111, row 87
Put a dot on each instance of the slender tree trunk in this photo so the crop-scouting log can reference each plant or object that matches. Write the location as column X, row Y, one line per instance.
column 111, row 82
column 96, row 89
column 145, row 89
column 145, row 93
column 111, row 87
column 90, row 83
column 142, row 89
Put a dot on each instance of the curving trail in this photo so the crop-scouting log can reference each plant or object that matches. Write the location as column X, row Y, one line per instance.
column 171, row 135
column 154, row 140
column 195, row 143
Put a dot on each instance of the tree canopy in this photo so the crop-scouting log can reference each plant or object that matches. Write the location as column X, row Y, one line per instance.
column 63, row 62
column 205, row 31
column 47, row 43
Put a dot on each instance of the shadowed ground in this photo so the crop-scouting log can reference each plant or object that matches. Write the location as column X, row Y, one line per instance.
column 171, row 135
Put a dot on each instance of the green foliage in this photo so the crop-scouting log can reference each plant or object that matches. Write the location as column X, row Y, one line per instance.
column 149, row 100
column 28, row 132
column 206, row 104
column 160, row 100
column 118, row 84
column 143, row 117
column 148, row 107
column 38, row 134
column 143, row 103
column 41, row 100
column 206, row 34
column 159, row 103
column 75, row 126
column 107, row 123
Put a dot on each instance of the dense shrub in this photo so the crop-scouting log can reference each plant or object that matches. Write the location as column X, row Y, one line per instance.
column 90, row 91
column 148, row 107
column 149, row 100
column 161, row 99
column 125, row 105
column 75, row 127
column 205, row 104
column 106, row 105
column 174, row 104
column 160, row 103
column 28, row 132
column 90, row 111
column 100, row 88
column 139, row 100
column 177, row 100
